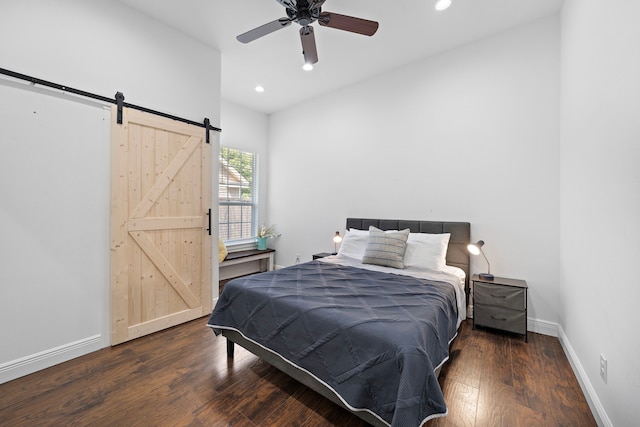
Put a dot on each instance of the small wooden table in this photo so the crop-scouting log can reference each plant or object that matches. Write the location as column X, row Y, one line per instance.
column 321, row 255
column 264, row 257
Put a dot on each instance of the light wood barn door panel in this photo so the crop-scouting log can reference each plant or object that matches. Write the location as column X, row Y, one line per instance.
column 160, row 247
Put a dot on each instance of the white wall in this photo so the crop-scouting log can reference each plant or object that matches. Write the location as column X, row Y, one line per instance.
column 600, row 193
column 54, row 217
column 103, row 46
column 468, row 135
column 54, row 268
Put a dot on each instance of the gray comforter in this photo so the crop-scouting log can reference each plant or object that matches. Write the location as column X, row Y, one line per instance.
column 374, row 338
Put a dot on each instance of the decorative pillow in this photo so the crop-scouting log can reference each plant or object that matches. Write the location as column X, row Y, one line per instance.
column 386, row 247
column 353, row 244
column 222, row 250
column 426, row 250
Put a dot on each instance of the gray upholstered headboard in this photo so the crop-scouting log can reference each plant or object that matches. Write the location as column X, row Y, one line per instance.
column 457, row 254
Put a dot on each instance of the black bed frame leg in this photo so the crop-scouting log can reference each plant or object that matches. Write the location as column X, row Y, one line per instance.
column 230, row 347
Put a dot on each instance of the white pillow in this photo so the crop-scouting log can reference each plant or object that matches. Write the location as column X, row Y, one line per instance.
column 353, row 244
column 358, row 232
column 425, row 250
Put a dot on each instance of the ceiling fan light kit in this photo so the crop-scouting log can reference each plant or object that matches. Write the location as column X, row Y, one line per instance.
column 442, row 4
column 304, row 13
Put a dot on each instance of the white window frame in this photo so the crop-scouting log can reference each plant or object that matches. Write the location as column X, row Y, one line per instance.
column 225, row 203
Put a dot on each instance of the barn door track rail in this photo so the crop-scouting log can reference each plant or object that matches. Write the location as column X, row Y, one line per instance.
column 118, row 100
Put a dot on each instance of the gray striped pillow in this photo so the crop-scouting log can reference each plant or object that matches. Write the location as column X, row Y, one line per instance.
column 386, row 248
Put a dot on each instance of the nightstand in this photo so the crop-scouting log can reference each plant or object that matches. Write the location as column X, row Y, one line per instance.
column 321, row 255
column 500, row 303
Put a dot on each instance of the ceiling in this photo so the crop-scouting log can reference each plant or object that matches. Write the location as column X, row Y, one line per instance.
column 409, row 31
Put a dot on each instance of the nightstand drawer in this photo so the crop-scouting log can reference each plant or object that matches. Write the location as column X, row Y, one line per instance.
column 500, row 318
column 500, row 296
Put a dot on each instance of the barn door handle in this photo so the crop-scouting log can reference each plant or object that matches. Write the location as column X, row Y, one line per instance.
column 209, row 221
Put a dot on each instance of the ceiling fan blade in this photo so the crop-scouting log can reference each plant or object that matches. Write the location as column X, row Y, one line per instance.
column 263, row 30
column 308, row 45
column 348, row 23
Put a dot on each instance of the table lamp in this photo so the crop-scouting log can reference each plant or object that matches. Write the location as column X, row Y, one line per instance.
column 476, row 249
column 336, row 239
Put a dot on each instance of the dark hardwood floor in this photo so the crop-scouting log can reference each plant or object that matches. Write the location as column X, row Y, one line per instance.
column 182, row 377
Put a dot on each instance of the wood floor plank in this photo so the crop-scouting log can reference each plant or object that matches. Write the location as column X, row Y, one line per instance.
column 527, row 372
column 182, row 377
column 496, row 405
column 465, row 360
column 299, row 410
column 496, row 359
column 462, row 404
column 527, row 417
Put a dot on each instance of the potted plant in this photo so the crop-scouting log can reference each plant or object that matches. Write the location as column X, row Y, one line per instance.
column 266, row 232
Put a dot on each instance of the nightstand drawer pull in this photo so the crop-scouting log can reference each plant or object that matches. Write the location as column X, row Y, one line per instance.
column 505, row 319
column 498, row 295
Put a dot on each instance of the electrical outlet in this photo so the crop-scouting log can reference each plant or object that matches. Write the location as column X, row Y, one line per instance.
column 297, row 258
column 603, row 368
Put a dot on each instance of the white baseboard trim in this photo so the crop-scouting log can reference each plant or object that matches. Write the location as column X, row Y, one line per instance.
column 543, row 327
column 587, row 388
column 47, row 358
column 553, row 329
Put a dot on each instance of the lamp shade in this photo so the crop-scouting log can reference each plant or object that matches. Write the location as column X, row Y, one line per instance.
column 442, row 4
column 337, row 238
column 476, row 249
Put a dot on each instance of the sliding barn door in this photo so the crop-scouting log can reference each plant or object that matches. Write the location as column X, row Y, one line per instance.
column 160, row 246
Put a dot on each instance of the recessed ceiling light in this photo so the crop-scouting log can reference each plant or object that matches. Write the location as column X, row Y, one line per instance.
column 259, row 89
column 443, row 4
column 307, row 67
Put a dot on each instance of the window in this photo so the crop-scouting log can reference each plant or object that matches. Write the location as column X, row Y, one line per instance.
column 237, row 194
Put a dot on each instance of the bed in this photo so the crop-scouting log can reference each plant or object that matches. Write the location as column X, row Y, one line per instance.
column 367, row 336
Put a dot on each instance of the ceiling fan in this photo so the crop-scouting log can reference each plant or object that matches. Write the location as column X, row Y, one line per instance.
column 306, row 12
